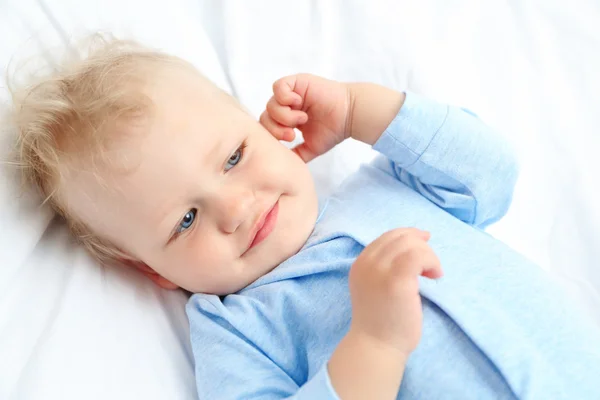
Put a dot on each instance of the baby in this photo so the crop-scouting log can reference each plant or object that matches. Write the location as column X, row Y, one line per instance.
column 154, row 167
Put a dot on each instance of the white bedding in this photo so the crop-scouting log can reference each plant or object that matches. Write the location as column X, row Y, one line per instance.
column 69, row 330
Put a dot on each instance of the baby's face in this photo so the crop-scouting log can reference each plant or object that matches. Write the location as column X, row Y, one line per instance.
column 213, row 202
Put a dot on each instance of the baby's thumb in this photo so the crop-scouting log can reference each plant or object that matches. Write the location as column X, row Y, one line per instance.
column 287, row 93
column 434, row 272
column 304, row 152
column 425, row 235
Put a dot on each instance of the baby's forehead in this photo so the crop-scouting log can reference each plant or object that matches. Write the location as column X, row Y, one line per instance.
column 175, row 104
column 189, row 103
column 189, row 90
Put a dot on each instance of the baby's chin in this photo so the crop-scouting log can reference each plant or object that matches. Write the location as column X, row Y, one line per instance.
column 266, row 263
column 299, row 231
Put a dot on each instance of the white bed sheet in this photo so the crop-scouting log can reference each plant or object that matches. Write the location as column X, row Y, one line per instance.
column 69, row 330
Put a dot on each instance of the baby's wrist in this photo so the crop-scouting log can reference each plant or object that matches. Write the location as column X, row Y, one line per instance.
column 360, row 368
column 350, row 102
column 353, row 92
column 365, row 340
column 371, row 108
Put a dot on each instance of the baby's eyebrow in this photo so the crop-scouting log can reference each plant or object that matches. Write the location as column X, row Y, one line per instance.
column 214, row 152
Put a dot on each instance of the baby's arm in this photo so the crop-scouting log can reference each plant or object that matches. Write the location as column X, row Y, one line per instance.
column 386, row 315
column 445, row 153
column 361, row 368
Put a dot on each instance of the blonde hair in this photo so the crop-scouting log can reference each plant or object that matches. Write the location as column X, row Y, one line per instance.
column 66, row 114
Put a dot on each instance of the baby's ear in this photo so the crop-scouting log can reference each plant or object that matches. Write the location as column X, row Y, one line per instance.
column 151, row 274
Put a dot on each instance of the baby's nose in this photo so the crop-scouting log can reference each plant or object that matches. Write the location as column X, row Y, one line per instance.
column 233, row 209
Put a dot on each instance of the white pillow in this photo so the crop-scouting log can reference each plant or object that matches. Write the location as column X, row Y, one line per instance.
column 69, row 329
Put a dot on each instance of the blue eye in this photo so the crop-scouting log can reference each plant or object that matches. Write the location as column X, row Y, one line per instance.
column 235, row 157
column 187, row 221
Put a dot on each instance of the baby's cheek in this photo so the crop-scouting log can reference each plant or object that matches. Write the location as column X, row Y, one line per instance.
column 263, row 171
column 282, row 163
column 201, row 266
column 206, row 247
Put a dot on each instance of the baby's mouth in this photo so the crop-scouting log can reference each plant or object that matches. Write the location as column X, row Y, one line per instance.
column 263, row 226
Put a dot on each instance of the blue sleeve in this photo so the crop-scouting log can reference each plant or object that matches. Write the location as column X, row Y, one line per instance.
column 229, row 365
column 452, row 158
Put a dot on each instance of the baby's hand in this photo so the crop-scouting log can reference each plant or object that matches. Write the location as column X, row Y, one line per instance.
column 386, row 306
column 318, row 107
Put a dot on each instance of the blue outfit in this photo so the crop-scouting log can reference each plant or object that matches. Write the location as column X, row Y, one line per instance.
column 495, row 326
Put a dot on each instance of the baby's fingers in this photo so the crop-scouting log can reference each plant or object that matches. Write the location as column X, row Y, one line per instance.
column 279, row 132
column 284, row 115
column 283, row 91
column 433, row 268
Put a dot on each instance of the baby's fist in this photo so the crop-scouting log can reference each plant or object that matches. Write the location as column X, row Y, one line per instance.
column 386, row 305
column 318, row 107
